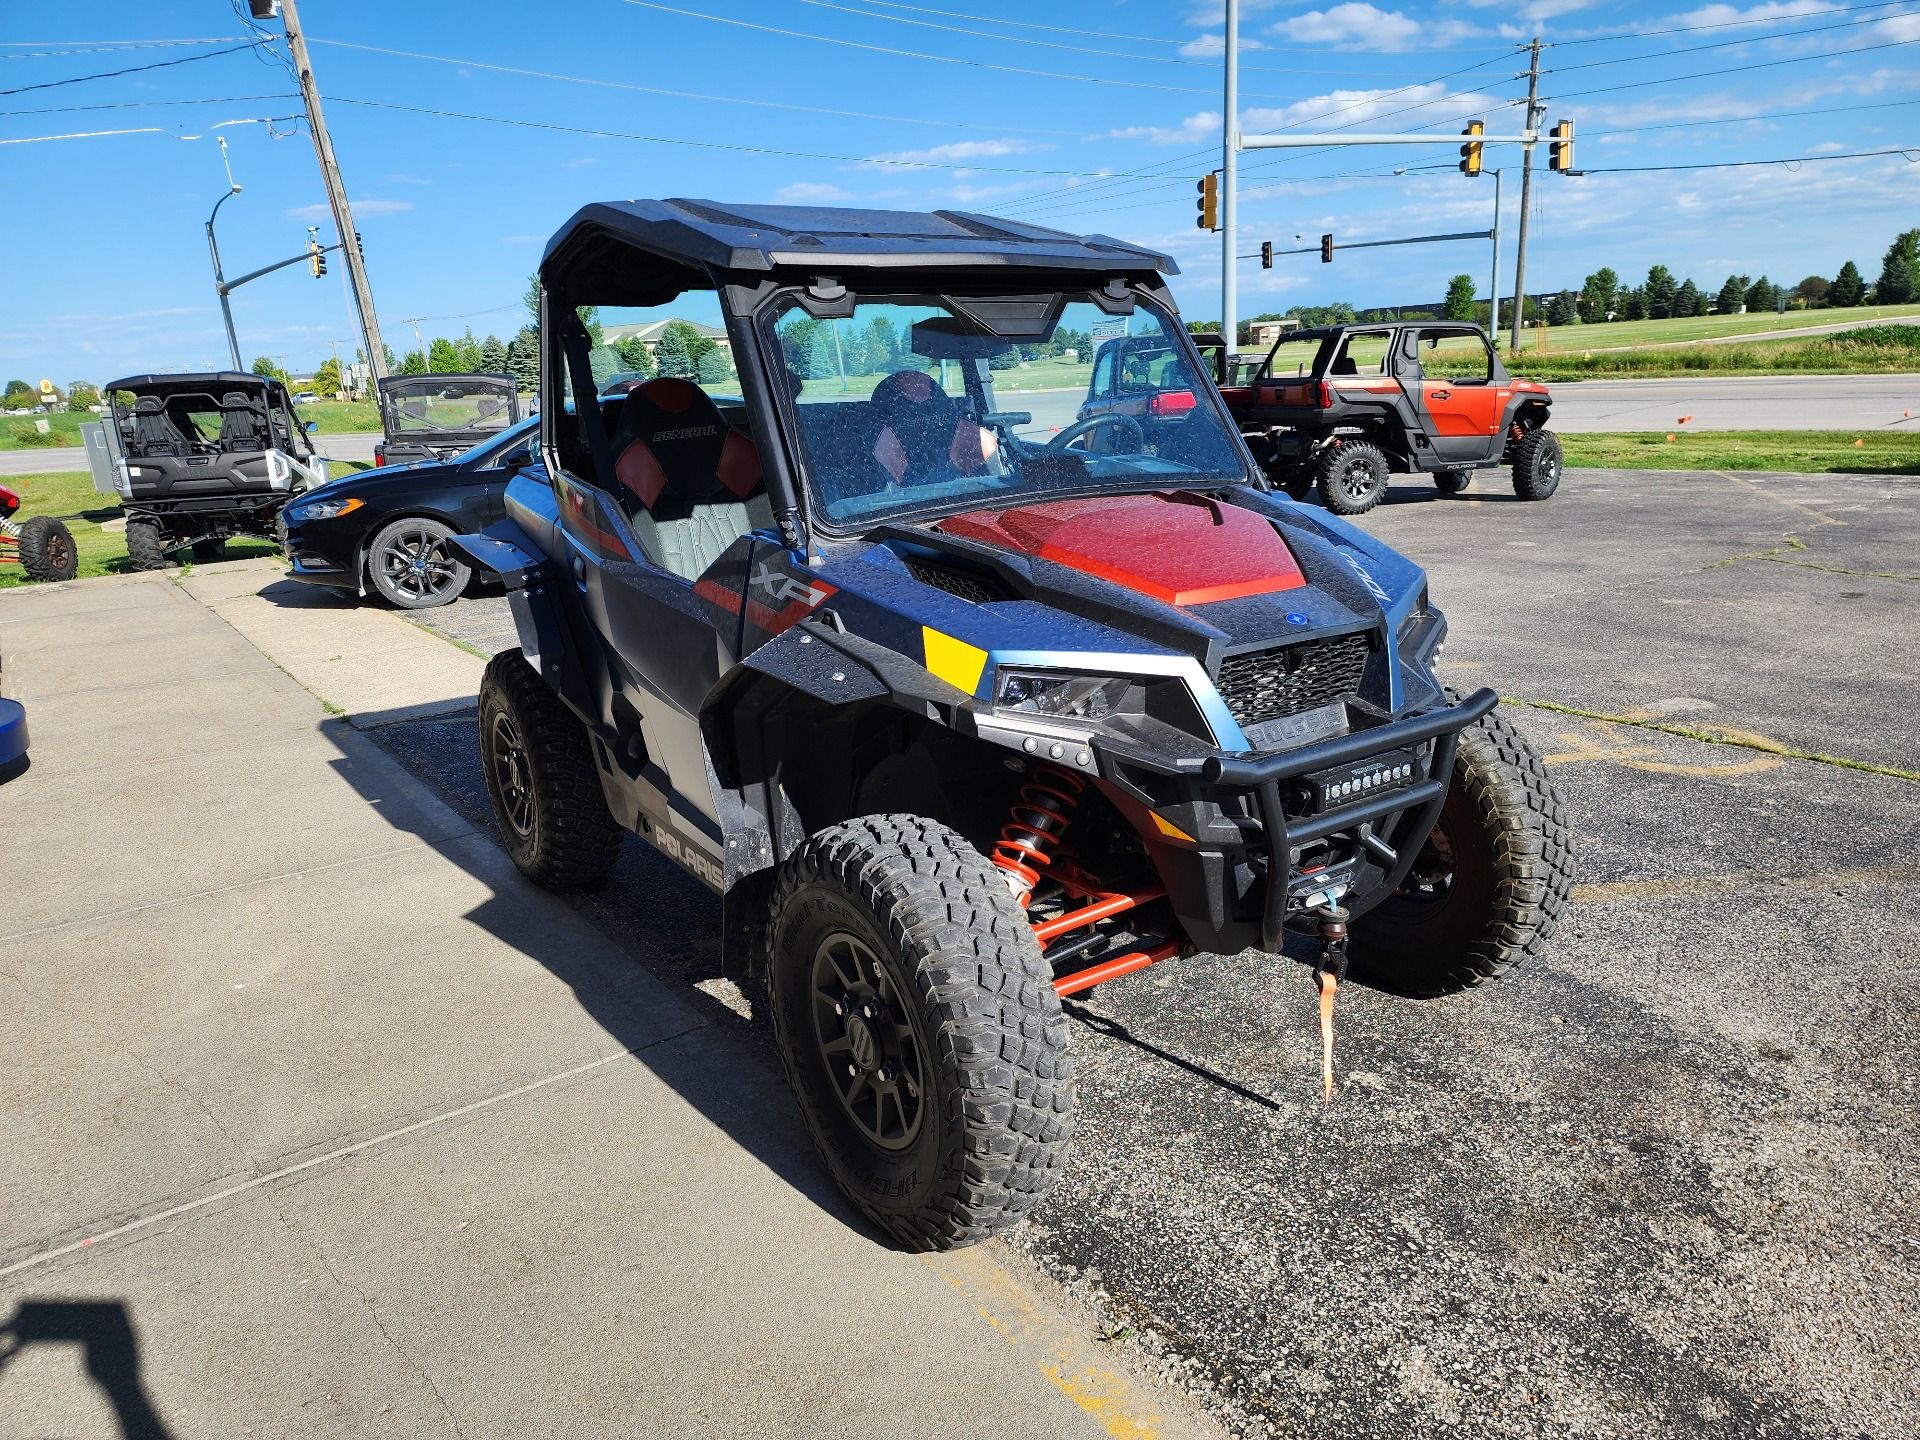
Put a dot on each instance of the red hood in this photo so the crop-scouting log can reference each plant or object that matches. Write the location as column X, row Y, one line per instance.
column 1174, row 548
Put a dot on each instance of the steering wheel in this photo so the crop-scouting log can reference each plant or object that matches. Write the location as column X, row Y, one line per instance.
column 1075, row 431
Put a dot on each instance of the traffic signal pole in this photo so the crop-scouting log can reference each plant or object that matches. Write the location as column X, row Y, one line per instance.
column 336, row 190
column 1534, row 112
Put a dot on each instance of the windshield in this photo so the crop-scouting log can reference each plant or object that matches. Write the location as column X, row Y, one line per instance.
column 458, row 407
column 911, row 405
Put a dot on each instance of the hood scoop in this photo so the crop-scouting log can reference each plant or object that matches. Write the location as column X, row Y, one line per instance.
column 1178, row 548
column 969, row 584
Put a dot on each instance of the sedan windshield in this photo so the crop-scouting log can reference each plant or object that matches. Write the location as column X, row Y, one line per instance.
column 922, row 403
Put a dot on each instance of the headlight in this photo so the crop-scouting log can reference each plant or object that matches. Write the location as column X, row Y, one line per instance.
column 1089, row 698
column 324, row 509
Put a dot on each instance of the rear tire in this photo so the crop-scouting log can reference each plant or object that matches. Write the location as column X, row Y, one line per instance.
column 1491, row 883
column 541, row 779
column 1536, row 465
column 1452, row 482
column 1352, row 476
column 146, row 546
column 903, row 976
column 47, row 551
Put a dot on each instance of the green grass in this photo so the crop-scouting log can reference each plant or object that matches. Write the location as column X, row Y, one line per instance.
column 1808, row 452
column 340, row 416
column 1561, row 340
column 1872, row 350
column 70, row 495
column 20, row 432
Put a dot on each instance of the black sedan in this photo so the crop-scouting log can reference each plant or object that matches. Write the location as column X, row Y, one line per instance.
column 388, row 528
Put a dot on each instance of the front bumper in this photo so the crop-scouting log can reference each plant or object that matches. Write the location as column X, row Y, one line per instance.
column 315, row 562
column 1386, row 829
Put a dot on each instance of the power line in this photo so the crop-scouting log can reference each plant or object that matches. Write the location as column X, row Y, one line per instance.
column 1740, row 69
column 1743, row 119
column 97, row 44
column 1031, row 25
column 682, row 94
column 1910, row 154
column 883, row 160
column 923, row 54
column 1726, row 44
column 1715, row 25
column 142, row 130
column 130, row 70
column 144, row 104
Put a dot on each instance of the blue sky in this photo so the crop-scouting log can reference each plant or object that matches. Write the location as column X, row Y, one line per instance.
column 1085, row 114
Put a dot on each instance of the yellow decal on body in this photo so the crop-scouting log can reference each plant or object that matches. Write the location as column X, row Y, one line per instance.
column 1167, row 827
column 954, row 661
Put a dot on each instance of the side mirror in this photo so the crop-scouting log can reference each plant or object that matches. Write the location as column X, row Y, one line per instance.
column 516, row 459
column 312, row 427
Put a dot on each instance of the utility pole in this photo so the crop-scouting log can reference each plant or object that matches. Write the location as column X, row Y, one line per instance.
column 1229, row 182
column 1534, row 111
column 336, row 190
column 1493, row 286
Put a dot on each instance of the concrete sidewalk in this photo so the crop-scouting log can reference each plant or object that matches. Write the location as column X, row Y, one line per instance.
column 320, row 1121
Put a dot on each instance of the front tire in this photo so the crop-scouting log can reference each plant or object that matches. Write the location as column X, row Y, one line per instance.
column 47, row 551
column 1352, row 476
column 541, row 779
column 1536, row 465
column 412, row 567
column 146, row 546
column 919, row 1029
column 1491, row 883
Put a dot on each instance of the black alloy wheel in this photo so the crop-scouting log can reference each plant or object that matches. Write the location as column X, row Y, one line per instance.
column 868, row 1041
column 512, row 776
column 410, row 564
column 1352, row 477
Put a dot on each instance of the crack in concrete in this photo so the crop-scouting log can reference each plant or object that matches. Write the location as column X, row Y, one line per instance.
column 1795, row 545
column 1713, row 736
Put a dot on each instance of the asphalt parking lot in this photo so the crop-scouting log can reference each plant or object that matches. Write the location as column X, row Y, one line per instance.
column 1660, row 1185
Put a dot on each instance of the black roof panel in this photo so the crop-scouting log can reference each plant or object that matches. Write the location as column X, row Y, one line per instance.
column 204, row 379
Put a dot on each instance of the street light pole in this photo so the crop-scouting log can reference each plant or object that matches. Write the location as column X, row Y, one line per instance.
column 1493, row 286
column 219, row 280
column 1230, row 181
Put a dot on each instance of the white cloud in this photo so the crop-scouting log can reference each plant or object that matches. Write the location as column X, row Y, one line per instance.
column 1348, row 107
column 361, row 208
column 809, row 193
column 1194, row 129
column 958, row 150
column 1353, row 26
column 1830, row 147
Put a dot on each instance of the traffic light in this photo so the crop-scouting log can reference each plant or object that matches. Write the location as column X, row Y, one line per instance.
column 1326, row 249
column 1266, row 254
column 359, row 248
column 1470, row 152
column 1209, row 202
column 1560, row 147
column 316, row 258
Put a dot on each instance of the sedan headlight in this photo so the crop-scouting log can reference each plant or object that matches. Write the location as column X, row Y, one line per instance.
column 324, row 509
column 1089, row 698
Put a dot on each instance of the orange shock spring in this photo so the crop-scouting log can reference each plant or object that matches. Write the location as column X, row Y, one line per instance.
column 1031, row 835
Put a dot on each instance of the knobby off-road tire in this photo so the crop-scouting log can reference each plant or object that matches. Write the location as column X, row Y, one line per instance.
column 541, row 780
column 1536, row 465
column 1490, row 885
column 47, row 551
column 1352, row 477
column 146, row 546
column 1452, row 482
column 945, row 1114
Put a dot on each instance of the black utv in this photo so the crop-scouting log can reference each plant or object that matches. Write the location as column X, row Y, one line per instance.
column 198, row 459
column 436, row 417
column 963, row 712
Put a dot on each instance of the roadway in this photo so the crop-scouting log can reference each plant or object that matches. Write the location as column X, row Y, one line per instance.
column 1752, row 402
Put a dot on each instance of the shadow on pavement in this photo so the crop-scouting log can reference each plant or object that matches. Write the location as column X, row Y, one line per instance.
column 110, row 1348
column 647, row 906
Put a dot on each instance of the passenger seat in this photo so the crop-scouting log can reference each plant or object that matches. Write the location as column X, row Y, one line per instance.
column 691, row 483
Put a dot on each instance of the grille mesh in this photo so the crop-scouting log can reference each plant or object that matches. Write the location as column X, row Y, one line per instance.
column 976, row 588
column 1267, row 684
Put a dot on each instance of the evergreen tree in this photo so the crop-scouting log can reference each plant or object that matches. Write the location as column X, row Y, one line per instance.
column 443, row 357
column 603, row 363
column 493, row 356
column 714, row 369
column 1732, row 296
column 1661, row 293
column 414, row 364
column 1899, row 280
column 467, row 352
column 1762, row 295
column 1688, row 300
column 1848, row 289
column 1634, row 305
column 1563, row 309
column 674, row 359
column 1599, row 297
column 523, row 359
column 883, row 346
column 1459, row 301
column 635, row 357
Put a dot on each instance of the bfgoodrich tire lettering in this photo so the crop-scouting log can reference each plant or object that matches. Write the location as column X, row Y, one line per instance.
column 961, row 978
column 1490, row 885
column 546, row 794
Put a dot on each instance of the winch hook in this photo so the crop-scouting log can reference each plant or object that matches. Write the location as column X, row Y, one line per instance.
column 1328, row 972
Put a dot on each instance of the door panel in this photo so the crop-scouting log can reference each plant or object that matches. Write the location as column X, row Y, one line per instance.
column 1460, row 405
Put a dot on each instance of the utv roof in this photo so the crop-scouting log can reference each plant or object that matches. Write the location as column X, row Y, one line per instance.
column 700, row 238
column 197, row 380
column 473, row 379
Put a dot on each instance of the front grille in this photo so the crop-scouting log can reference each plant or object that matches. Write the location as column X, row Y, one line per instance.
column 979, row 589
column 1267, row 684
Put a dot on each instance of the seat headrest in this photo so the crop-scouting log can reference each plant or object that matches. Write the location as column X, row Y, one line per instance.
column 912, row 395
column 148, row 405
column 236, row 401
column 684, row 439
